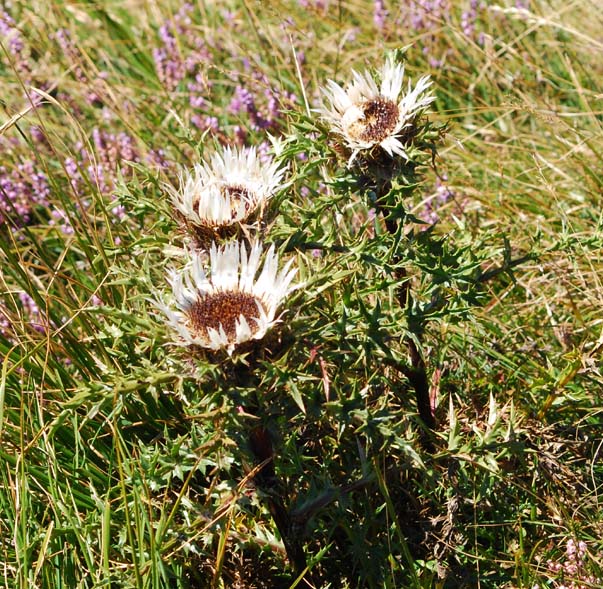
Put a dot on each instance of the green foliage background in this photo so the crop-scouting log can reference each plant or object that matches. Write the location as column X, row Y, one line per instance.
column 125, row 461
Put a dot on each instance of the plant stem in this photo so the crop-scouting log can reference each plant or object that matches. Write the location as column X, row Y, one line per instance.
column 271, row 493
column 417, row 372
column 417, row 375
column 271, row 490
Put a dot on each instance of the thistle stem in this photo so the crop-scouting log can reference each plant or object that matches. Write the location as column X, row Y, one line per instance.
column 417, row 371
column 271, row 489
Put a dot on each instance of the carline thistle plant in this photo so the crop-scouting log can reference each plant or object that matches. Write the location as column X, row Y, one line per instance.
column 380, row 126
column 228, row 298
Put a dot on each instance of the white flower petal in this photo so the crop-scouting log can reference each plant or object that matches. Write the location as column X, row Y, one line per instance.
column 243, row 331
column 392, row 76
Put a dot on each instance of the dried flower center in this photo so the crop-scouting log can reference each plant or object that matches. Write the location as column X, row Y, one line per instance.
column 380, row 119
column 238, row 194
column 224, row 309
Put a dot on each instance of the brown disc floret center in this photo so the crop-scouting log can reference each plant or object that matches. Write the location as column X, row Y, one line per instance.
column 224, row 309
column 238, row 194
column 380, row 119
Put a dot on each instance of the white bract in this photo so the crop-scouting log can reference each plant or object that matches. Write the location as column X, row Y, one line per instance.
column 367, row 115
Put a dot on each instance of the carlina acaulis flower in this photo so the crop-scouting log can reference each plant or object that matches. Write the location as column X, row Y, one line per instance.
column 218, row 195
column 234, row 300
column 367, row 114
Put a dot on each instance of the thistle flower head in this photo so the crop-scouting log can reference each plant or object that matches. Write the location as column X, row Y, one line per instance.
column 226, row 190
column 228, row 303
column 367, row 114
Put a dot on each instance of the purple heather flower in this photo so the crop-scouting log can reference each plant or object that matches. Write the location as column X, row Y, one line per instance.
column 288, row 23
column 380, row 14
column 264, row 152
column 273, row 103
column 73, row 174
column 126, row 148
column 240, row 135
column 5, row 323
column 37, row 134
column 423, row 15
column 196, row 101
column 71, row 53
column 242, row 101
column 95, row 300
column 433, row 203
column 196, row 90
column 198, row 121
column 182, row 19
column 321, row 5
column 21, row 190
column 119, row 212
column 206, row 123
column 573, row 568
column 229, row 16
column 170, row 65
column 157, row 157
column 20, row 55
column 29, row 305
column 430, row 215
column 15, row 45
column 97, row 175
column 443, row 192
column 168, row 61
column 469, row 17
column 112, row 150
column 60, row 219
column 7, row 24
column 32, row 313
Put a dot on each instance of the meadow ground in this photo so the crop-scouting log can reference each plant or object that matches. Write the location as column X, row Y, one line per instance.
column 424, row 408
